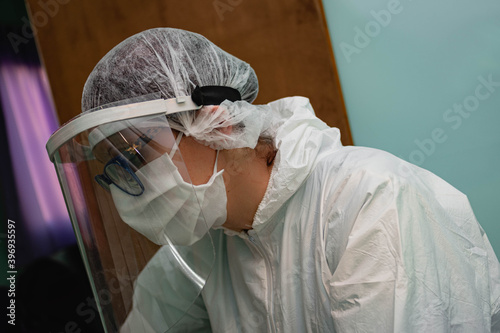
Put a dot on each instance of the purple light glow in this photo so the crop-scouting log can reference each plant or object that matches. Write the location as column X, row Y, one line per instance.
column 30, row 120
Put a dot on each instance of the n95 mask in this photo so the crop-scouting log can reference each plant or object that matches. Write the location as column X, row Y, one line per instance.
column 170, row 210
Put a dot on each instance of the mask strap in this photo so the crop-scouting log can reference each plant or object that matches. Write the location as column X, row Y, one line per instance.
column 216, row 158
column 177, row 141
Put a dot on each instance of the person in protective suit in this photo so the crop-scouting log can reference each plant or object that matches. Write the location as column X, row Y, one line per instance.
column 310, row 235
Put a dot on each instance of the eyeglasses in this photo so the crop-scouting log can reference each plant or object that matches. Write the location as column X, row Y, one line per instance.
column 119, row 172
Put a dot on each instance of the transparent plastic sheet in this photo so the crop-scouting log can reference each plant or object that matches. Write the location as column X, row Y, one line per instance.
column 141, row 282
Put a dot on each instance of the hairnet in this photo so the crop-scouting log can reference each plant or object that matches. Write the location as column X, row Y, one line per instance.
column 173, row 62
column 166, row 60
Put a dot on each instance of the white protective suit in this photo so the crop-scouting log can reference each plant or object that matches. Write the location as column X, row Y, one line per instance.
column 346, row 239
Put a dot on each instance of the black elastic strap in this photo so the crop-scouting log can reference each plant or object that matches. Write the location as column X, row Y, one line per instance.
column 214, row 95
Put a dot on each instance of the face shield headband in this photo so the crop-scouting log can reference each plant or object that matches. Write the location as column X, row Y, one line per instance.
column 206, row 95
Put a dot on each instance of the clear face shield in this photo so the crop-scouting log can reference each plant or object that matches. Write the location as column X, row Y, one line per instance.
column 142, row 227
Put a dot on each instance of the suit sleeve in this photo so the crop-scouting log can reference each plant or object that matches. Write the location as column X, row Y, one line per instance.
column 413, row 258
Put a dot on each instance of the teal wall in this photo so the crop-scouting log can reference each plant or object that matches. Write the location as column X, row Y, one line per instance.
column 421, row 79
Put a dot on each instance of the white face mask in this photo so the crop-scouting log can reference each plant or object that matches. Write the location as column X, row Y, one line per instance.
column 170, row 209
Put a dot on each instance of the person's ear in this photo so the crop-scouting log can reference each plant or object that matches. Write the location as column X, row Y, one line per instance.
column 265, row 150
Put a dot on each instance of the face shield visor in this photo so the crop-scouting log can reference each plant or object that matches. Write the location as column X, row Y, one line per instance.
column 143, row 228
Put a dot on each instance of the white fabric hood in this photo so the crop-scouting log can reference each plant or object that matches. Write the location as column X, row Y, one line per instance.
column 299, row 136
